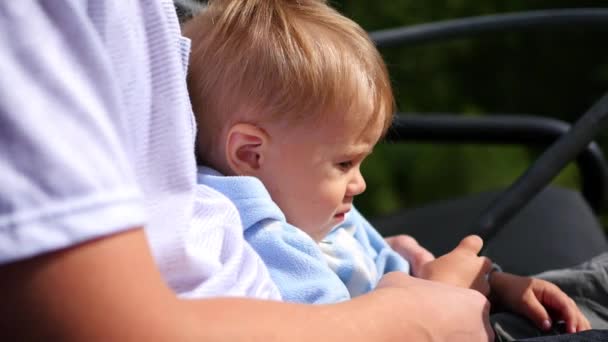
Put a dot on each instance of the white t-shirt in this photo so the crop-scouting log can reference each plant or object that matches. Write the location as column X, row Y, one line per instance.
column 96, row 136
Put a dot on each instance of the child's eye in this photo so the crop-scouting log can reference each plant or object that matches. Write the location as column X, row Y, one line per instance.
column 345, row 165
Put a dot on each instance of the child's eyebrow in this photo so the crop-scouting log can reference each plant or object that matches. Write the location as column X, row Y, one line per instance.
column 357, row 150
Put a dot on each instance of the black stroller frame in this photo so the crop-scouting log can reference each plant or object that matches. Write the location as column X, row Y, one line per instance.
column 529, row 227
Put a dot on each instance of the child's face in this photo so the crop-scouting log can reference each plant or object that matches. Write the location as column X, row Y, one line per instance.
column 313, row 171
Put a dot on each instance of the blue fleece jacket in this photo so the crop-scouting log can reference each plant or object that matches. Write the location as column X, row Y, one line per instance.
column 347, row 263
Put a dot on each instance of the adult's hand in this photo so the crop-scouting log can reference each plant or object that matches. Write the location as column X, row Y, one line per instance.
column 439, row 312
column 410, row 250
column 461, row 267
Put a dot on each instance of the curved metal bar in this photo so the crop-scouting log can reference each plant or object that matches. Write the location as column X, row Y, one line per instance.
column 544, row 169
column 466, row 27
column 508, row 129
column 550, row 162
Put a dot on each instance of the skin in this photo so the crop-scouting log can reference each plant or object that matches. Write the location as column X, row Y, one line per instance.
column 110, row 289
column 411, row 251
column 461, row 267
column 540, row 301
column 321, row 161
column 311, row 169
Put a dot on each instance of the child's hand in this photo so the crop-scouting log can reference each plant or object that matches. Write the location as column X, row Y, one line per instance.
column 410, row 250
column 394, row 279
column 534, row 298
column 461, row 267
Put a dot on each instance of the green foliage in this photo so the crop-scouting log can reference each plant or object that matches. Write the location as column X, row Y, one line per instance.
column 401, row 175
column 548, row 72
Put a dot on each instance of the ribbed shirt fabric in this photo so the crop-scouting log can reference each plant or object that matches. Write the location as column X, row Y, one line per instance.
column 96, row 136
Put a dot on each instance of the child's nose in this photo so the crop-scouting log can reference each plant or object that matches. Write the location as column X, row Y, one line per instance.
column 357, row 185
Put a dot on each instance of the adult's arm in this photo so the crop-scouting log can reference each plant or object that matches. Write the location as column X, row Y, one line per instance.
column 110, row 289
column 55, row 84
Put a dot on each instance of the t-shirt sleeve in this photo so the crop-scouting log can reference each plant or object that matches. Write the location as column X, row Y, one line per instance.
column 65, row 172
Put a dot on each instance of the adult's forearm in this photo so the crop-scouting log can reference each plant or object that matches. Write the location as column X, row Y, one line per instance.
column 110, row 289
column 368, row 318
column 402, row 309
column 103, row 289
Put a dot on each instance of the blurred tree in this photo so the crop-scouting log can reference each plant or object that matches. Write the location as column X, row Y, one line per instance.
column 550, row 72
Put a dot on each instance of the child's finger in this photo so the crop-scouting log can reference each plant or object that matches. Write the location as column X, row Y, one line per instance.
column 471, row 243
column 393, row 279
column 408, row 247
column 564, row 306
column 486, row 264
column 482, row 286
column 482, row 283
column 536, row 312
column 583, row 322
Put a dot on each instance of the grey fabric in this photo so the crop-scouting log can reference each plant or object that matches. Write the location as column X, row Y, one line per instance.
column 557, row 229
column 511, row 327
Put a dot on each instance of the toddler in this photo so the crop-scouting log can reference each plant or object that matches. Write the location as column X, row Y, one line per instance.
column 290, row 97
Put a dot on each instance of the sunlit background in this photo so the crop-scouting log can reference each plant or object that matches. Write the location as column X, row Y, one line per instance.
column 552, row 72
column 556, row 72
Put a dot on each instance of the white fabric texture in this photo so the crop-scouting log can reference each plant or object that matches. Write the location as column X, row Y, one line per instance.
column 362, row 275
column 96, row 136
column 216, row 223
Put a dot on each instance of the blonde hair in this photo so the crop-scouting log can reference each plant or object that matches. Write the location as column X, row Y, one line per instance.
column 259, row 60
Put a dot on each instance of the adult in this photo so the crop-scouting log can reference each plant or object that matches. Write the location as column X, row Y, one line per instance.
column 96, row 143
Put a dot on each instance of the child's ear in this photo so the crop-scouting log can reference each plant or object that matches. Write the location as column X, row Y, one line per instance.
column 245, row 147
